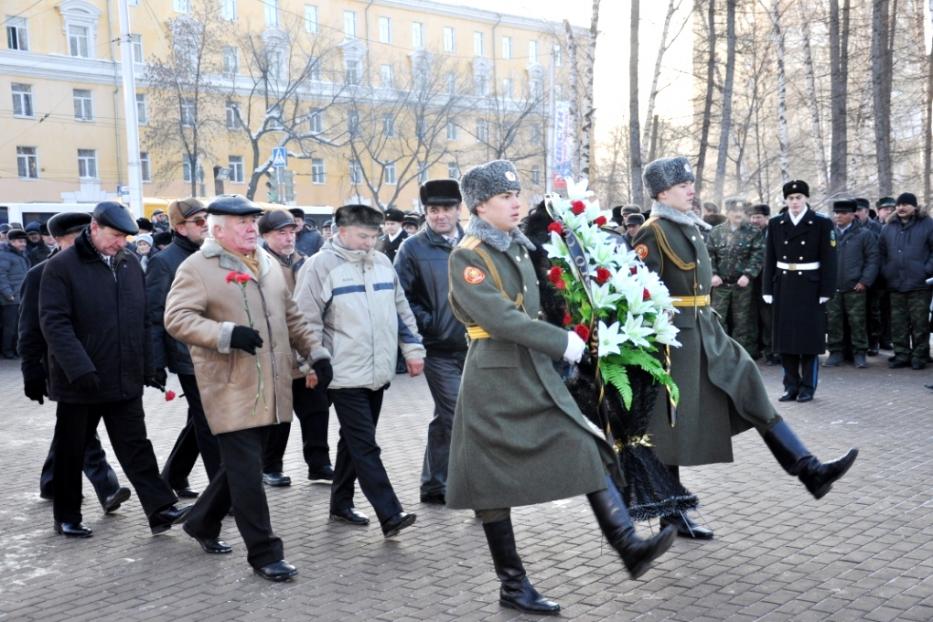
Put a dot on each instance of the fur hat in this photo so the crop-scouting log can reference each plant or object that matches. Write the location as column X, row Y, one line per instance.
column 393, row 214
column 761, row 208
column 634, row 219
column 666, row 173
column 63, row 223
column 358, row 215
column 795, row 186
column 907, row 198
column 487, row 180
column 16, row 234
column 445, row 192
column 846, row 206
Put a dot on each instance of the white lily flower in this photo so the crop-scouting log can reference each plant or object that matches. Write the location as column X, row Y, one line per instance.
column 557, row 248
column 635, row 332
column 609, row 339
column 603, row 255
column 666, row 332
column 603, row 296
column 577, row 189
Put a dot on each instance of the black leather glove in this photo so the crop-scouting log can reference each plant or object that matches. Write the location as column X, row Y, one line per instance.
column 35, row 389
column 88, row 383
column 325, row 373
column 156, row 379
column 246, row 339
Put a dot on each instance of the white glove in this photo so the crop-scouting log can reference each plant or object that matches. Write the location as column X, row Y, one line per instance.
column 824, row 300
column 575, row 347
column 768, row 298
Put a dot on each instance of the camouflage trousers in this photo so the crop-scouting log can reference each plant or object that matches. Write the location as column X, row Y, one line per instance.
column 847, row 307
column 738, row 314
column 910, row 324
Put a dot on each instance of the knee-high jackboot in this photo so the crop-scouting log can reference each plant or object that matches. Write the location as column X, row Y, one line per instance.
column 516, row 591
column 616, row 524
column 796, row 459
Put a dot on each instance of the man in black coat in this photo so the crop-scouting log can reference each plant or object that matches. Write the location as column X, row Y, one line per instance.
column 92, row 313
column 188, row 218
column 63, row 228
column 799, row 278
column 393, row 234
column 308, row 240
column 14, row 264
column 421, row 264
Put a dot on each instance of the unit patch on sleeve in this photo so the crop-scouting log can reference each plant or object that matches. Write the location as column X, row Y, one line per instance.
column 473, row 276
column 642, row 251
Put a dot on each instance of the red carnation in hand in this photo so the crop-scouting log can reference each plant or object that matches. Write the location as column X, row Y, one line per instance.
column 568, row 319
column 231, row 276
column 578, row 207
column 599, row 222
column 583, row 331
column 242, row 278
column 169, row 396
column 555, row 227
column 646, row 295
column 602, row 275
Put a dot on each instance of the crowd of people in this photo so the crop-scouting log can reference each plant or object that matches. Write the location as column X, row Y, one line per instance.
column 263, row 317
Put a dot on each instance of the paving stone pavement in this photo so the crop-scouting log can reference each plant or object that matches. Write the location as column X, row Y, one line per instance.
column 865, row 552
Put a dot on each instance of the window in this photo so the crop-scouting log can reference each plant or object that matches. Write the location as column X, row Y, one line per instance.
column 318, row 174
column 506, row 48
column 142, row 109
column 557, row 55
column 271, row 12
column 453, row 171
column 228, row 10
column 388, row 125
column 145, row 168
column 315, row 122
column 186, row 169
column 310, row 18
column 356, row 172
column 449, row 41
column 27, row 163
column 352, row 75
column 451, row 83
column 276, row 58
column 78, row 41
column 231, row 60
column 230, row 114
column 482, row 131
column 390, row 173
column 87, row 163
column 187, row 113
column 535, row 175
column 451, row 130
column 482, row 85
column 136, row 41
column 349, row 24
column 274, row 117
column 385, row 75
column 353, row 123
column 477, row 43
column 84, row 107
column 22, row 100
column 236, row 169
column 532, row 52
column 507, row 88
column 417, row 35
column 534, row 88
column 181, row 6
column 385, row 30
column 17, row 38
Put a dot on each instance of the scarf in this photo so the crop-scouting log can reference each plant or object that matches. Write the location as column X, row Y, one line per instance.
column 496, row 238
column 660, row 210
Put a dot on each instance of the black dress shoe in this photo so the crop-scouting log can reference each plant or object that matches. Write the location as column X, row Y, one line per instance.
column 917, row 365
column 321, row 475
column 397, row 523
column 277, row 571
column 162, row 521
column 805, row 396
column 873, row 351
column 276, row 479
column 186, row 493
column 73, row 530
column 212, row 546
column 349, row 515
column 789, row 396
column 112, row 502
column 686, row 528
column 434, row 498
column 929, row 386
column 899, row 363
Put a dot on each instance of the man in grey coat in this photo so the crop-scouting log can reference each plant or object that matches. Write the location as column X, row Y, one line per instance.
column 14, row 264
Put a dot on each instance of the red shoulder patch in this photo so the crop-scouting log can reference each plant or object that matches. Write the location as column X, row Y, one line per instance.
column 642, row 251
column 473, row 276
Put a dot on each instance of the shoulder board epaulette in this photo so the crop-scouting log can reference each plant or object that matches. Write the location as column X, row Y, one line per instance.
column 469, row 242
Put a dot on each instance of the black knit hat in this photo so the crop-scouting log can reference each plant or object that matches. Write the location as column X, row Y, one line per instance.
column 907, row 198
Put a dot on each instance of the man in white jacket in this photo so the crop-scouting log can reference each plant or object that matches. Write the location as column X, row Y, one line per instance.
column 351, row 295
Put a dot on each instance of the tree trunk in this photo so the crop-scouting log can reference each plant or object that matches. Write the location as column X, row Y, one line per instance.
column 663, row 46
column 586, row 124
column 839, row 69
column 783, row 135
column 928, row 134
column 708, row 100
column 573, row 112
column 812, row 101
column 726, row 101
column 881, row 68
column 634, row 134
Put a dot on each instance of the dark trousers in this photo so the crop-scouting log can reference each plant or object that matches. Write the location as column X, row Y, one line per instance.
column 98, row 471
column 443, row 375
column 75, row 425
column 358, row 455
column 312, row 408
column 239, row 484
column 801, row 372
column 194, row 438
column 9, row 324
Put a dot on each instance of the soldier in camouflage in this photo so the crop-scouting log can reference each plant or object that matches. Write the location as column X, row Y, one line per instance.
column 736, row 250
column 758, row 216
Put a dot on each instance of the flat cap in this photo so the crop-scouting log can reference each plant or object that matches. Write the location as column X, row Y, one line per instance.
column 297, row 212
column 487, row 180
column 233, row 205
column 845, row 206
column 358, row 215
column 761, row 208
column 862, row 203
column 907, row 198
column 393, row 214
column 886, row 202
column 63, row 223
column 16, row 234
column 665, row 173
column 440, row 192
column 276, row 219
column 33, row 227
column 116, row 216
column 796, row 186
column 412, row 218
column 181, row 210
column 634, row 219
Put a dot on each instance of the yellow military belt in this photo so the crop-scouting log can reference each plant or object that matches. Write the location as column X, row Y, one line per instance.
column 477, row 332
column 691, row 301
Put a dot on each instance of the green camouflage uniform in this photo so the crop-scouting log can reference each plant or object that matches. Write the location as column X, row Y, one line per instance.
column 734, row 254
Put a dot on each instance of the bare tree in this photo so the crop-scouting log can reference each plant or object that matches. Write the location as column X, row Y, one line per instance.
column 574, row 113
column 673, row 6
column 882, row 67
column 783, row 134
column 726, row 124
column 612, row 172
column 839, row 64
column 708, row 99
column 586, row 123
column 928, row 125
column 634, row 132
column 812, row 101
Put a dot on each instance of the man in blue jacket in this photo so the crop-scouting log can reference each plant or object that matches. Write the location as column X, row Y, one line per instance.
column 14, row 264
column 421, row 264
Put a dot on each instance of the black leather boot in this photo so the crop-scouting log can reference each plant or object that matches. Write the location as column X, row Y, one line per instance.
column 616, row 524
column 684, row 525
column 516, row 591
column 796, row 459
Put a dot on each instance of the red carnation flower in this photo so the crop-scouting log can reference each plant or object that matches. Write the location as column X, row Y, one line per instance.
column 231, row 276
column 646, row 295
column 555, row 275
column 583, row 331
column 577, row 207
column 555, row 227
column 602, row 275
column 568, row 319
column 599, row 222
column 169, row 396
column 242, row 278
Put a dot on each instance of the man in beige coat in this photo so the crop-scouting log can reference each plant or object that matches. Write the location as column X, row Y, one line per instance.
column 231, row 305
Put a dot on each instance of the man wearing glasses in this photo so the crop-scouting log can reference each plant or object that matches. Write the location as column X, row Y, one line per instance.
column 189, row 224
